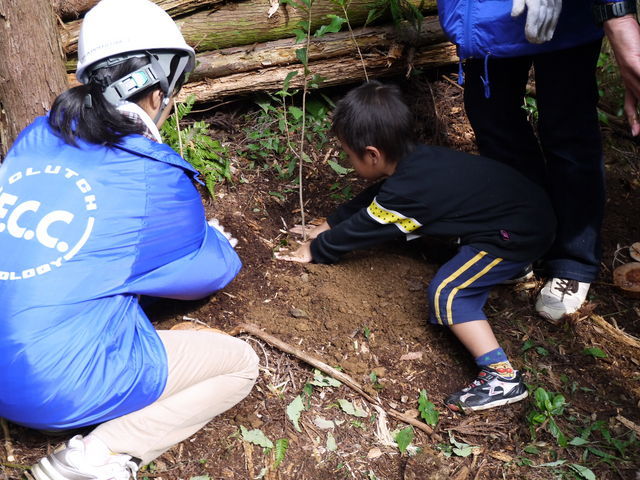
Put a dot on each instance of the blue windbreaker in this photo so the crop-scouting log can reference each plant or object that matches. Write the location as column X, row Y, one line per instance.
column 83, row 232
column 482, row 28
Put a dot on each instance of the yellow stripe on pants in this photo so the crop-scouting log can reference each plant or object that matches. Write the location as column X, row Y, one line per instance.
column 451, row 278
column 466, row 284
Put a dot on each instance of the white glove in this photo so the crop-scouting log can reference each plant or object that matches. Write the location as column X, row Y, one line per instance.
column 216, row 224
column 542, row 18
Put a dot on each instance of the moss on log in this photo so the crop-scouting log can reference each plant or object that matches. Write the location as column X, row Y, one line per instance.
column 334, row 71
column 73, row 9
column 245, row 23
column 220, row 63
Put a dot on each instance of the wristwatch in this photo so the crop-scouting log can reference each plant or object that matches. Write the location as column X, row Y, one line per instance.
column 606, row 11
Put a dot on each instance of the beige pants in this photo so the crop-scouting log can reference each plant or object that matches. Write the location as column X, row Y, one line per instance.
column 208, row 374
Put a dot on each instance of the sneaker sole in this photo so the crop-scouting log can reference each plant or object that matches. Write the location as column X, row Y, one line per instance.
column 515, row 281
column 498, row 403
column 43, row 470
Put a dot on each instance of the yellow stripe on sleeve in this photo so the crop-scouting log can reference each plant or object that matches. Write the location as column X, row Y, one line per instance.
column 451, row 278
column 384, row 216
column 455, row 290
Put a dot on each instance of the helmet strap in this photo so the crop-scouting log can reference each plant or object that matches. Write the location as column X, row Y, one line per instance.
column 167, row 88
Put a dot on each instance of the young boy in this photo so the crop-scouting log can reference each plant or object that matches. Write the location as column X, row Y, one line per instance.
column 504, row 222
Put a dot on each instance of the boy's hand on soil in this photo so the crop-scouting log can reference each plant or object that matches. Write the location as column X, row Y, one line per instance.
column 311, row 231
column 301, row 255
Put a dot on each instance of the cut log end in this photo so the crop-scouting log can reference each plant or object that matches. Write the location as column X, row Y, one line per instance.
column 627, row 278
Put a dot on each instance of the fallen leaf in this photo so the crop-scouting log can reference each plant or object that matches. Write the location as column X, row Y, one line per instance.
column 324, row 424
column 332, row 446
column 501, row 456
column 294, row 410
column 411, row 356
column 351, row 409
column 374, row 453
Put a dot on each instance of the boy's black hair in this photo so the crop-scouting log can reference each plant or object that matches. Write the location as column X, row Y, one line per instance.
column 99, row 121
column 375, row 114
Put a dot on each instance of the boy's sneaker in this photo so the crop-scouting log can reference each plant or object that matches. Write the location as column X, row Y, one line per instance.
column 73, row 463
column 488, row 390
column 560, row 297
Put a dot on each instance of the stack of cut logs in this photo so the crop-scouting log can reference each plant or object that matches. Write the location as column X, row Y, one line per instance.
column 247, row 46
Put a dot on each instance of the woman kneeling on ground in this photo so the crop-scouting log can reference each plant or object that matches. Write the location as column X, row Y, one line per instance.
column 95, row 211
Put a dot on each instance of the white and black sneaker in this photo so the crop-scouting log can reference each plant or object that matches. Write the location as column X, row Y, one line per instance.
column 560, row 297
column 488, row 390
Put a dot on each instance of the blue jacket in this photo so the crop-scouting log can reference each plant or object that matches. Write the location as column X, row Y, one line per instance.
column 83, row 232
column 482, row 28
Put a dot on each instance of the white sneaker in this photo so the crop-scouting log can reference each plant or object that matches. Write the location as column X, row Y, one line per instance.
column 560, row 297
column 73, row 462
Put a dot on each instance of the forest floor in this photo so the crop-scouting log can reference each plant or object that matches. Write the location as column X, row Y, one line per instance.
column 367, row 316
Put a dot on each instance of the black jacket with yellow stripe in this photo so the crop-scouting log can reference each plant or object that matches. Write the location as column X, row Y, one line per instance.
column 441, row 192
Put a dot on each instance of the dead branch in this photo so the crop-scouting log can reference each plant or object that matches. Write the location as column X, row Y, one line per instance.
column 7, row 441
column 314, row 362
column 612, row 333
column 629, row 424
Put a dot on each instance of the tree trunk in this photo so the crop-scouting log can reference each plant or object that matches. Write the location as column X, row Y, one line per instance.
column 334, row 71
column 245, row 23
column 72, row 9
column 220, row 63
column 32, row 70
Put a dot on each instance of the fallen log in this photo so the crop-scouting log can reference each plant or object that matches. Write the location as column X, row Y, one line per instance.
column 246, row 23
column 73, row 9
column 234, row 60
column 334, row 71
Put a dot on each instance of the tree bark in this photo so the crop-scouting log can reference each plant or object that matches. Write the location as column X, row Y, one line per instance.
column 334, row 71
column 245, row 23
column 32, row 70
column 73, row 9
column 220, row 63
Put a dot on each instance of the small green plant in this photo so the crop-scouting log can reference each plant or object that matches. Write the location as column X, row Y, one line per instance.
column 277, row 123
column 454, row 447
column 530, row 345
column 595, row 352
column 610, row 86
column 366, row 331
column 196, row 146
column 531, row 107
column 404, row 438
column 373, row 376
column 427, row 409
column 547, row 406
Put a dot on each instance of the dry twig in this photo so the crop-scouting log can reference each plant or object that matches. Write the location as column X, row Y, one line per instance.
column 7, row 441
column 343, row 377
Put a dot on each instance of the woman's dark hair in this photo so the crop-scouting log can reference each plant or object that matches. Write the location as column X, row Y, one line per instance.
column 374, row 114
column 83, row 112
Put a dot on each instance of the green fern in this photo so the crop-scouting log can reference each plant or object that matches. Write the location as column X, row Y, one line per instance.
column 205, row 154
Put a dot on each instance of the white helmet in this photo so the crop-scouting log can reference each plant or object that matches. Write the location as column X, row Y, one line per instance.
column 114, row 28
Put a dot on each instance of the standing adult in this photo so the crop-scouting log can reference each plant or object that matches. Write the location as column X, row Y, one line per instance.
column 94, row 212
column 500, row 42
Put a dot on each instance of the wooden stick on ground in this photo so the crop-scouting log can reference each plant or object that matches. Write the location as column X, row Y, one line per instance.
column 615, row 334
column 338, row 375
column 7, row 440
